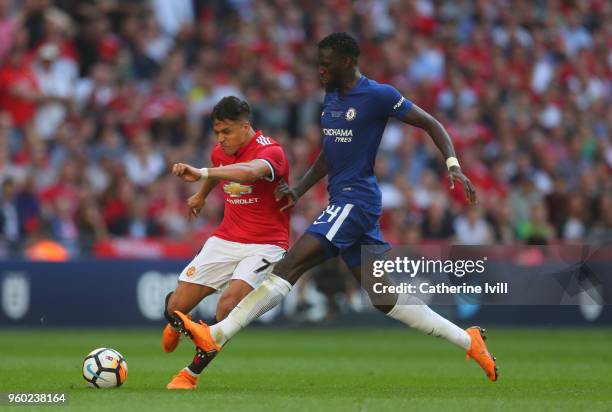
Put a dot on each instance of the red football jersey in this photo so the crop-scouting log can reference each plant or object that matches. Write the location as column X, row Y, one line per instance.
column 251, row 213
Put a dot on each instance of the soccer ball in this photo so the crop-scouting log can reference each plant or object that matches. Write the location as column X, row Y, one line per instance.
column 104, row 368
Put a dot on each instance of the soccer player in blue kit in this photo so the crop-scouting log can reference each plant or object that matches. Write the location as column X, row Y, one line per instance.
column 355, row 112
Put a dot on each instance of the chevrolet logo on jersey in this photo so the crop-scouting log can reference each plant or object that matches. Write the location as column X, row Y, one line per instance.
column 237, row 190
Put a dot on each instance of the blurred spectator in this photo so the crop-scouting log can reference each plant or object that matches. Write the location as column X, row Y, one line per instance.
column 55, row 76
column 143, row 163
column 10, row 221
column 504, row 232
column 19, row 214
column 19, row 88
column 63, row 225
column 472, row 228
column 438, row 222
column 90, row 225
column 116, row 205
column 601, row 232
column 9, row 24
column 168, row 208
column 523, row 198
column 139, row 223
column 557, row 204
column 574, row 228
column 536, row 230
column 174, row 15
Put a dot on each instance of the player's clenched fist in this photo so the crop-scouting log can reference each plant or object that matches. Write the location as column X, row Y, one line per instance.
column 186, row 172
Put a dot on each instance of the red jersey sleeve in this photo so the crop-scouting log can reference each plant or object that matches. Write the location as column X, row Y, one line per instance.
column 275, row 157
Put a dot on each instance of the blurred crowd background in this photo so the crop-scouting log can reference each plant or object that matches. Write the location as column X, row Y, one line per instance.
column 99, row 97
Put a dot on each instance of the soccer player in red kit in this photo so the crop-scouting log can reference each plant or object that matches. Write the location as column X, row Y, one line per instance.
column 253, row 235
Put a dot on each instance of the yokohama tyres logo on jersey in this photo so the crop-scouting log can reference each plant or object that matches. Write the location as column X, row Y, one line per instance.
column 338, row 132
column 263, row 140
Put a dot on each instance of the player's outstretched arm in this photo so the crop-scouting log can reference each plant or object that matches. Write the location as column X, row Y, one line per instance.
column 238, row 172
column 316, row 172
column 420, row 118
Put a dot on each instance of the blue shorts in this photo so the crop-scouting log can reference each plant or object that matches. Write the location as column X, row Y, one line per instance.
column 343, row 228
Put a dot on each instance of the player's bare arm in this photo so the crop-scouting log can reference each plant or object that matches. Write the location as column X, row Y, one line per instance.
column 420, row 118
column 238, row 172
column 241, row 172
column 316, row 172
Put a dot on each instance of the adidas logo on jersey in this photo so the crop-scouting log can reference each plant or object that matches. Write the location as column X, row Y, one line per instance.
column 263, row 140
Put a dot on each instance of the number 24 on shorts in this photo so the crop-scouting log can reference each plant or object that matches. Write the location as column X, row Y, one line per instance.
column 332, row 211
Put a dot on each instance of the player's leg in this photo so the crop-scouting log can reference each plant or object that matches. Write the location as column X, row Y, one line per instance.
column 185, row 297
column 187, row 378
column 211, row 268
column 249, row 273
column 307, row 252
column 339, row 223
column 416, row 314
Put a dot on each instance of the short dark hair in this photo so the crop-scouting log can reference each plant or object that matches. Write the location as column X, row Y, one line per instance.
column 341, row 43
column 231, row 108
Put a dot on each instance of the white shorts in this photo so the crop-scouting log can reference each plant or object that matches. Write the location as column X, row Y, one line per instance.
column 220, row 260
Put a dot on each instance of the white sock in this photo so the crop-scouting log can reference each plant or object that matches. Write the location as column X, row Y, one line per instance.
column 419, row 316
column 269, row 294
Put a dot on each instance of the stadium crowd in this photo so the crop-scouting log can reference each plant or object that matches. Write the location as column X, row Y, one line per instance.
column 99, row 97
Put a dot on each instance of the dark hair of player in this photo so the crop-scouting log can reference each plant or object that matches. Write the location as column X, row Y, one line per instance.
column 342, row 44
column 231, row 108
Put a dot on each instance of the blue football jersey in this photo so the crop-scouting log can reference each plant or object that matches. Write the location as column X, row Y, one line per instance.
column 352, row 126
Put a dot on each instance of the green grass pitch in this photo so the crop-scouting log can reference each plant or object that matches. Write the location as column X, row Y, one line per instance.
column 320, row 370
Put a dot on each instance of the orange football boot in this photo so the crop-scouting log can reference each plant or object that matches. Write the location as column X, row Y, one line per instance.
column 199, row 333
column 183, row 380
column 479, row 352
column 170, row 339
